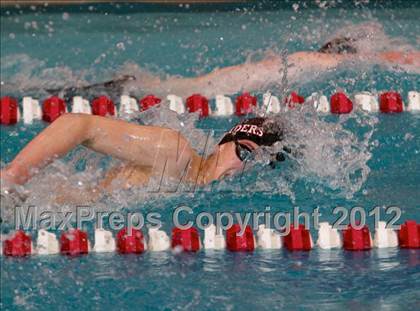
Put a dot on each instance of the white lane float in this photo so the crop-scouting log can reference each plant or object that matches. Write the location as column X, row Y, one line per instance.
column 81, row 105
column 224, row 106
column 176, row 104
column 320, row 102
column 128, row 105
column 328, row 237
column 212, row 239
column 104, row 241
column 367, row 102
column 385, row 237
column 268, row 238
column 158, row 240
column 31, row 110
column 47, row 243
column 413, row 101
column 271, row 103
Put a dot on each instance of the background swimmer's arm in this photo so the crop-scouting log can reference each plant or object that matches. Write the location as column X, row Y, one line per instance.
column 227, row 80
column 250, row 76
column 140, row 145
column 254, row 76
column 400, row 58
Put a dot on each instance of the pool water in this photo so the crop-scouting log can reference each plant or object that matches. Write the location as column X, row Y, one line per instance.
column 48, row 47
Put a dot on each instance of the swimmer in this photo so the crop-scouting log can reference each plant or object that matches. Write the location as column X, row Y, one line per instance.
column 146, row 151
column 254, row 76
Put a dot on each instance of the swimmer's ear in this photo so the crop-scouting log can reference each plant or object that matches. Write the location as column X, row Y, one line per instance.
column 342, row 45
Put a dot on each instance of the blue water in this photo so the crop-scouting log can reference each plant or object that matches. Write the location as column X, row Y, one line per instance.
column 69, row 45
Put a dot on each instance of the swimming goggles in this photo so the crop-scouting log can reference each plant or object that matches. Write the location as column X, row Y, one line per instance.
column 242, row 151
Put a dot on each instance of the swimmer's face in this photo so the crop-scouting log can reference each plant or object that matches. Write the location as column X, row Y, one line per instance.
column 232, row 156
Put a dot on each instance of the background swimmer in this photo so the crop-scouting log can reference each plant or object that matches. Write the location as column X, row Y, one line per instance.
column 254, row 76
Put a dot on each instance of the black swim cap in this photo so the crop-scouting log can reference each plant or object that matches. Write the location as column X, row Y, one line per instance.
column 262, row 131
column 342, row 45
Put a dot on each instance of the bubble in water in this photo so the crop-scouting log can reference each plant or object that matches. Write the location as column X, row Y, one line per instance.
column 121, row 46
column 408, row 136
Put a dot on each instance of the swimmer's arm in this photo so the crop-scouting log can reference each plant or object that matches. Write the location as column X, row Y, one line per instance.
column 227, row 80
column 329, row 61
column 250, row 76
column 126, row 141
column 399, row 58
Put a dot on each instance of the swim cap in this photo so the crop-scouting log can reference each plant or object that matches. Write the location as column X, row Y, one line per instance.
column 342, row 45
column 262, row 131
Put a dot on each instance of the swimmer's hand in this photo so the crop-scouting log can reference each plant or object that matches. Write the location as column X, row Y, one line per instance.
column 400, row 58
column 10, row 192
column 7, row 178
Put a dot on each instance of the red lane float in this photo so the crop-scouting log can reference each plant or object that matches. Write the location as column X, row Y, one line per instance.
column 298, row 239
column 52, row 108
column 240, row 243
column 103, row 106
column 197, row 102
column 130, row 242
column 18, row 245
column 9, row 110
column 409, row 235
column 390, row 102
column 340, row 103
column 74, row 242
column 245, row 104
column 149, row 101
column 186, row 239
column 357, row 239
column 294, row 99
